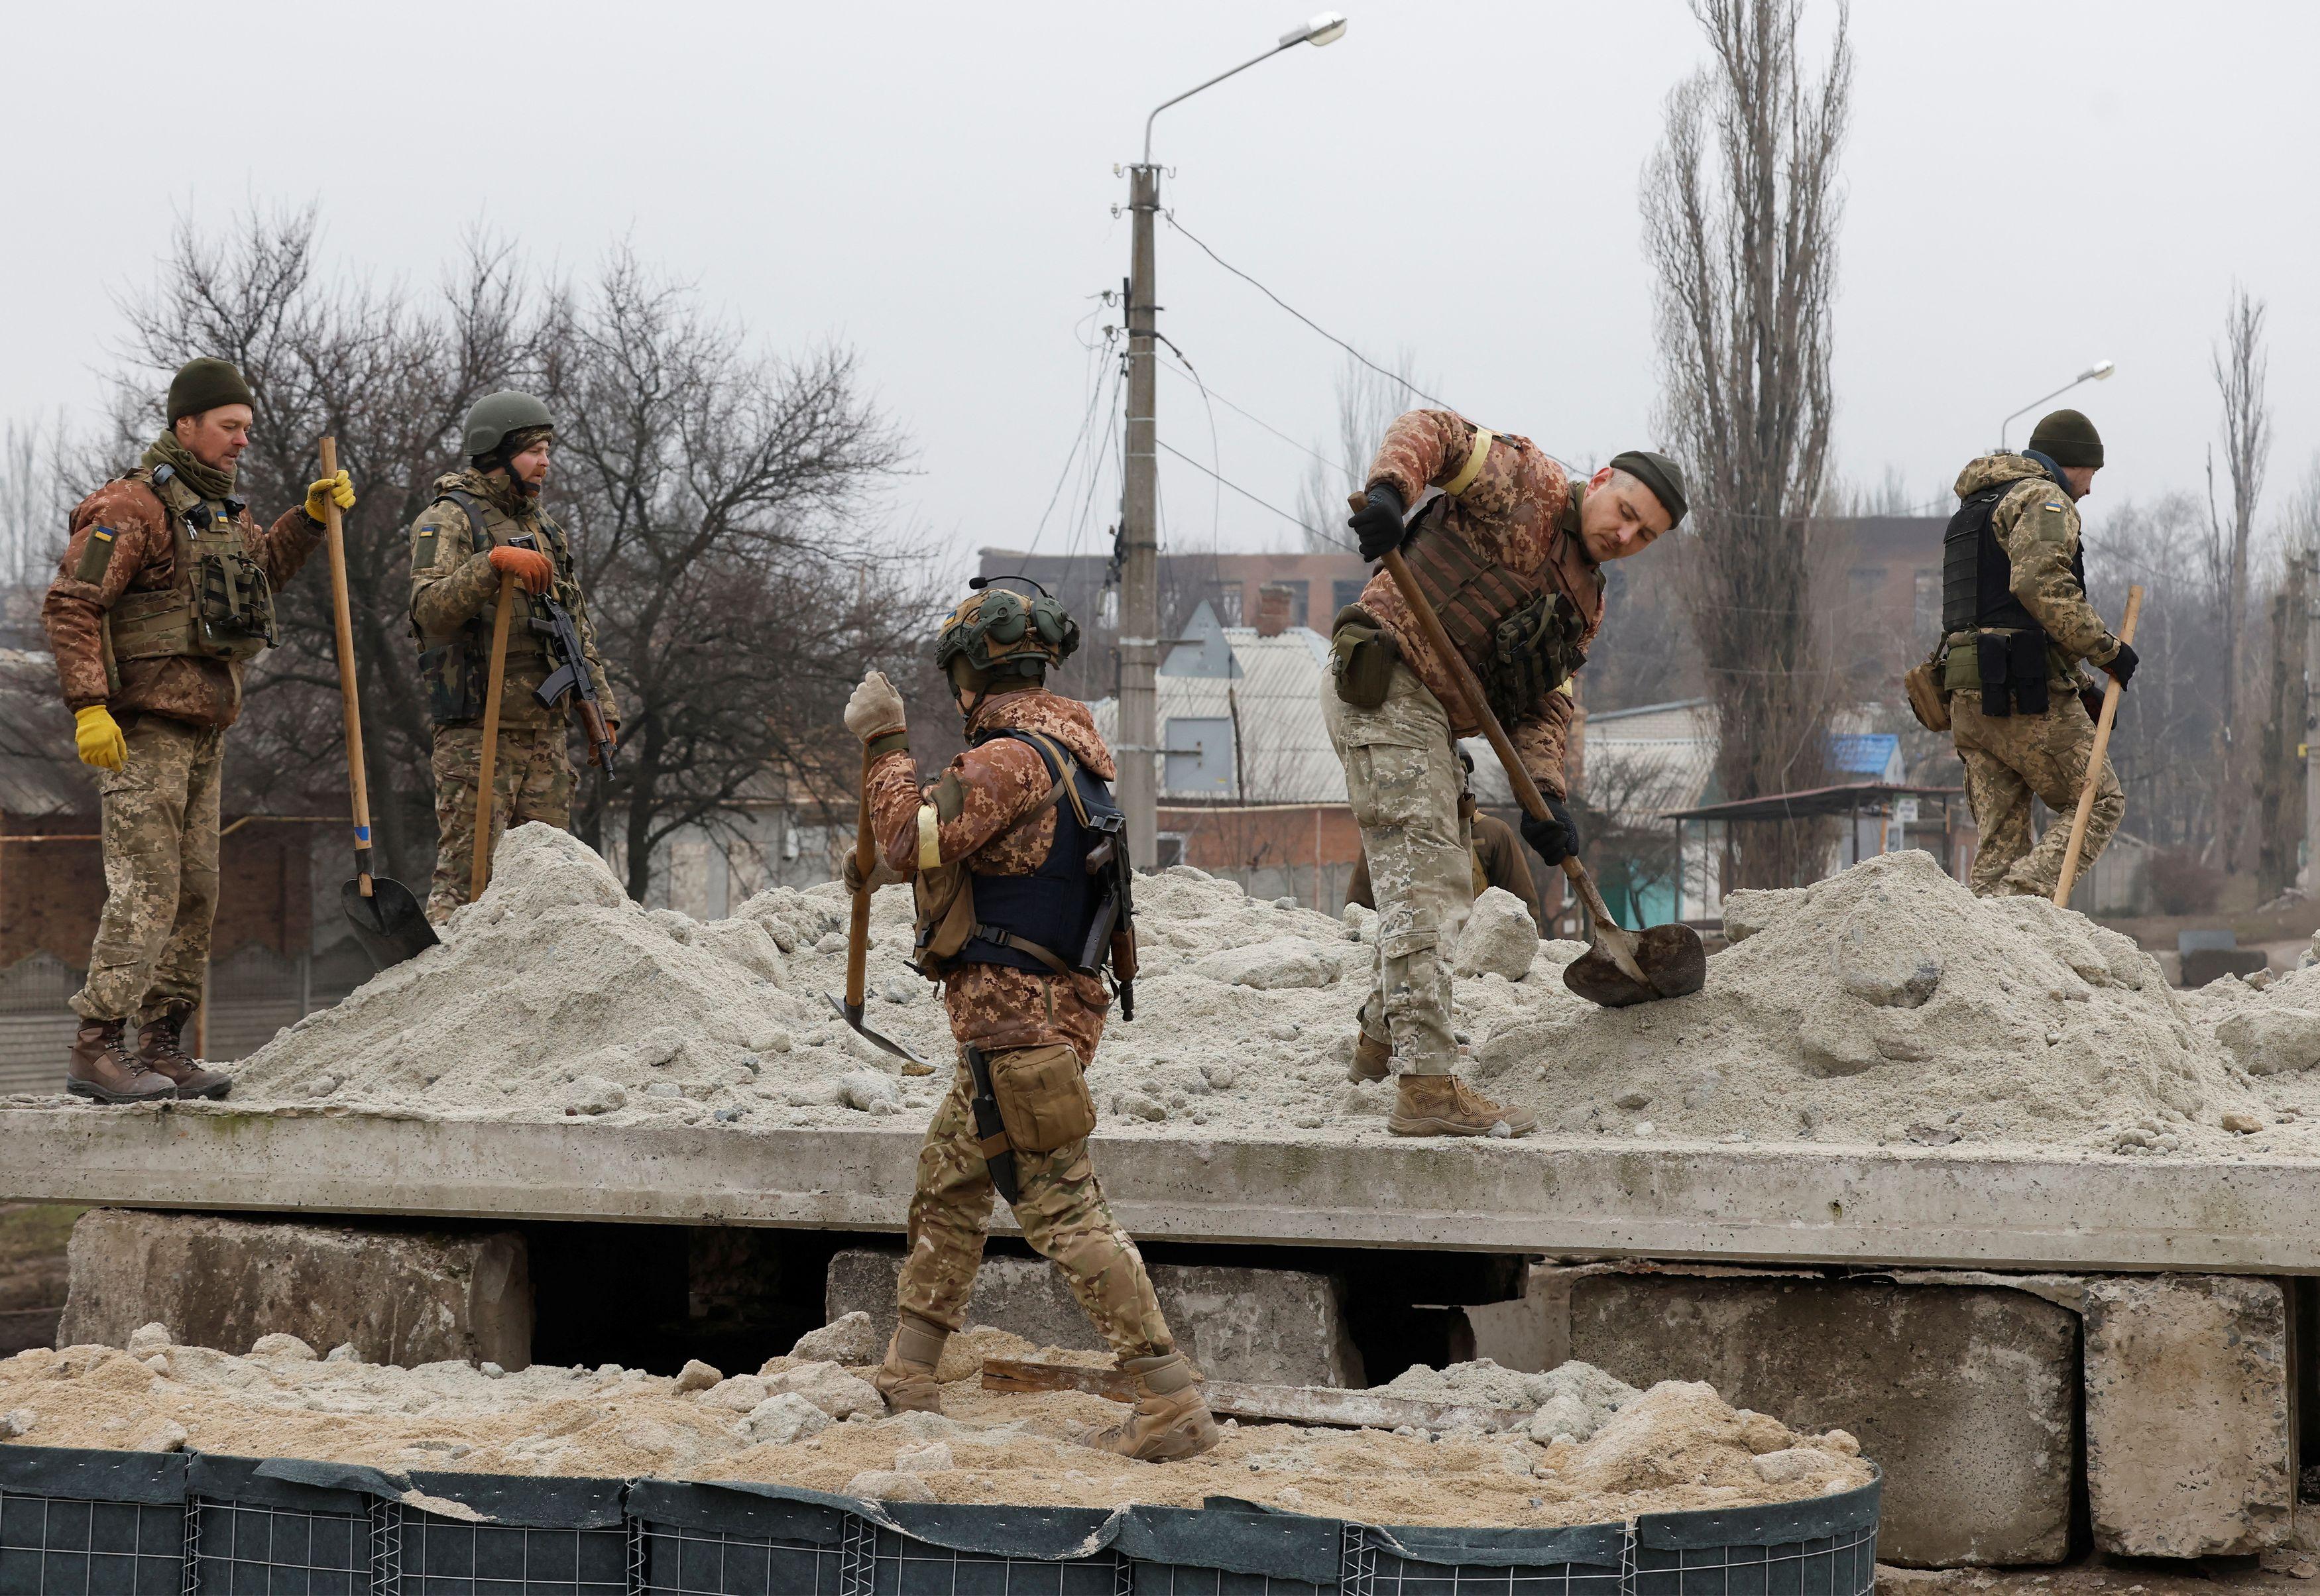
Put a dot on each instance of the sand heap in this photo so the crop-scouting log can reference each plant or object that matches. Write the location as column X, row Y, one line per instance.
column 816, row 1425
column 1885, row 1004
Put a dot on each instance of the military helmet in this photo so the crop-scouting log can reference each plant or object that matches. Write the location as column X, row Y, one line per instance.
column 496, row 415
column 1004, row 633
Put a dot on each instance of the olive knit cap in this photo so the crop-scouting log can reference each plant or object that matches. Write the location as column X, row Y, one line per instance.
column 1658, row 473
column 2068, row 439
column 205, row 385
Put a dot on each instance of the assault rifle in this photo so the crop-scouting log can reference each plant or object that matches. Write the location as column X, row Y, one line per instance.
column 571, row 674
column 1111, row 936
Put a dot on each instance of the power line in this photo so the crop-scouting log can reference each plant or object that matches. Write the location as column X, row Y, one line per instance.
column 1095, row 392
column 1252, row 498
column 1260, row 421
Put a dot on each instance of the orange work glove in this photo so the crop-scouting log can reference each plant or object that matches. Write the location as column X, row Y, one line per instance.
column 527, row 566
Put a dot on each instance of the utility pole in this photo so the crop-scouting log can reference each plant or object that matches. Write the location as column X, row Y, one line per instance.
column 1139, row 533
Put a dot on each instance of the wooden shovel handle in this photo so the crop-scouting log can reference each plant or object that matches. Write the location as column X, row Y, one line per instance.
column 334, row 536
column 479, row 870
column 857, row 931
column 2103, row 722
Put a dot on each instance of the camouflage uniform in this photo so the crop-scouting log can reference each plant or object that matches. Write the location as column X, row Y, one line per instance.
column 1499, row 861
column 996, row 1007
column 160, row 808
column 2008, row 759
column 1402, row 774
column 454, row 591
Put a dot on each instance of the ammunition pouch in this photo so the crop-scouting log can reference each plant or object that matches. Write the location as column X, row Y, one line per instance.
column 1362, row 657
column 219, row 607
column 1044, row 1102
column 454, row 675
column 2013, row 669
column 1533, row 651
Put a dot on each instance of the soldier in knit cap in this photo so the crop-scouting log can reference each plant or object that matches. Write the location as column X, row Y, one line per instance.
column 165, row 592
column 2016, row 623
column 1509, row 554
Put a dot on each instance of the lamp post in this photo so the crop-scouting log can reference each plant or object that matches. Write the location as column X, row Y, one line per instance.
column 1139, row 579
column 2095, row 373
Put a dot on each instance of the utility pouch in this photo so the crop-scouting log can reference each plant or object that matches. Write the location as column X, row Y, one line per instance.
column 2026, row 671
column 452, row 691
column 1927, row 700
column 233, row 608
column 1992, row 655
column 944, row 895
column 990, row 1128
column 1044, row 1102
column 1362, row 659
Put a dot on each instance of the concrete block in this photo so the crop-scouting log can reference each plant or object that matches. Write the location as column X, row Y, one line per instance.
column 1966, row 1396
column 398, row 1296
column 2190, row 1445
column 1283, row 1327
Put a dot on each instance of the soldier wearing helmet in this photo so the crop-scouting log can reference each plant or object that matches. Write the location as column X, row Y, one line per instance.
column 1019, row 870
column 459, row 548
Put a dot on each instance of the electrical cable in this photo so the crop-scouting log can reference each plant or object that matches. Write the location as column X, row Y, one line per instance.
column 1252, row 498
column 1095, row 392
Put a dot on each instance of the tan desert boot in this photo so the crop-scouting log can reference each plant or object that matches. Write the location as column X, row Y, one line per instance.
column 103, row 1067
column 1373, row 1059
column 907, row 1379
column 1444, row 1105
column 161, row 1044
column 1171, row 1418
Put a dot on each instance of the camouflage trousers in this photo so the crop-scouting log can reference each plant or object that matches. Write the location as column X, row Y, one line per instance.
column 532, row 780
column 1060, row 1206
column 1403, row 779
column 160, row 825
column 2011, row 758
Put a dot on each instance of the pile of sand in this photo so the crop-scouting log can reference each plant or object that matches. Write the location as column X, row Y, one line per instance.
column 1674, row 1446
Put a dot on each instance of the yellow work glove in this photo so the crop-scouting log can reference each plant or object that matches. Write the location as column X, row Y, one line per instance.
column 98, row 738
column 321, row 496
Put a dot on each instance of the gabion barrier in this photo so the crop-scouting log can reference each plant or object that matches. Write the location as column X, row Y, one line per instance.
column 76, row 1523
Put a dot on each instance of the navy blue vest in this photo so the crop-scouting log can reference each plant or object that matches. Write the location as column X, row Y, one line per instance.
column 1055, row 906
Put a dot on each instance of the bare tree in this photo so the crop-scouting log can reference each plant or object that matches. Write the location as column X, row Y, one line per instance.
column 1368, row 400
column 1741, row 208
column 2239, row 365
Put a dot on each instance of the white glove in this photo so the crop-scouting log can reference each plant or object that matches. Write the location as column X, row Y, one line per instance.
column 876, row 709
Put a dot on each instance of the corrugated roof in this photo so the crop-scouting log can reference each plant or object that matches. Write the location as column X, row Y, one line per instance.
column 1285, row 749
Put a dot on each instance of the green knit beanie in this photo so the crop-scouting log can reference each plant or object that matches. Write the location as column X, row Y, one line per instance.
column 1658, row 473
column 2068, row 439
column 205, row 383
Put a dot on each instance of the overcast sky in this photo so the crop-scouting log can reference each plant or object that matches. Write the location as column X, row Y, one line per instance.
column 2031, row 187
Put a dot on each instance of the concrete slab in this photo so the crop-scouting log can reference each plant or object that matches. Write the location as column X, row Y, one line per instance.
column 1966, row 1396
column 1569, row 1197
column 400, row 1296
column 1276, row 1327
column 2190, row 1436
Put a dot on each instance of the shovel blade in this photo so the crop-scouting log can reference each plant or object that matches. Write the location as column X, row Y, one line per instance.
column 389, row 923
column 1671, row 959
column 853, row 1017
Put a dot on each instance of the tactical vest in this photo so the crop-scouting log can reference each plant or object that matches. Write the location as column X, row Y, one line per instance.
column 2013, row 656
column 219, row 606
column 1523, row 637
column 1052, row 920
column 457, row 669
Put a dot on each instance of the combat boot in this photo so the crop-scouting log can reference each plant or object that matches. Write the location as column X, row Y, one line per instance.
column 1373, row 1059
column 907, row 1379
column 1171, row 1418
column 160, row 1043
column 103, row 1067
column 1444, row 1105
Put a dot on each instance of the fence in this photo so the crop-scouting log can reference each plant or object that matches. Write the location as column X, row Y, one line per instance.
column 254, row 993
column 179, row 1525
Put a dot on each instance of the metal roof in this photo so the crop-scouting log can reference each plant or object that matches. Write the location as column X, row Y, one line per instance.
column 1276, row 696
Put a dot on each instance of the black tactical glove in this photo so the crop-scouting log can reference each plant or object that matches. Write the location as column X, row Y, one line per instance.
column 2121, row 664
column 1556, row 837
column 1377, row 525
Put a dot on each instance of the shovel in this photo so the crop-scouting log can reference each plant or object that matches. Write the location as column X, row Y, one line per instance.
column 479, row 866
column 2103, row 724
column 1619, row 966
column 857, row 940
column 387, row 919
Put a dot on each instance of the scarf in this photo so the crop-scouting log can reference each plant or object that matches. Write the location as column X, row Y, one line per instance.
column 208, row 481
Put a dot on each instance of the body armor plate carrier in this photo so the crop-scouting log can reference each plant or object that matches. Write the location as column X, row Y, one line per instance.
column 1978, row 598
column 1522, row 637
column 219, row 607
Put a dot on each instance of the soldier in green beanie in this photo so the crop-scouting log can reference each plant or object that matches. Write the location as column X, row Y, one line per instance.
column 2015, row 624
column 165, row 592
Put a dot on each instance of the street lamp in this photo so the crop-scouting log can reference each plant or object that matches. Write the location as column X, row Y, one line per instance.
column 1139, row 543
column 2092, row 374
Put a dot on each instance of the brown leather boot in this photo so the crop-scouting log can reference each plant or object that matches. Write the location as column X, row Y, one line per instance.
column 161, row 1044
column 1373, row 1059
column 1444, row 1105
column 1170, row 1418
column 907, row 1379
column 103, row 1067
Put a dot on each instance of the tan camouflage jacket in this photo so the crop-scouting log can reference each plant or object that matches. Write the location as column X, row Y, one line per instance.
column 2038, row 526
column 1520, row 509
column 452, row 583
column 205, row 692
column 977, row 802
